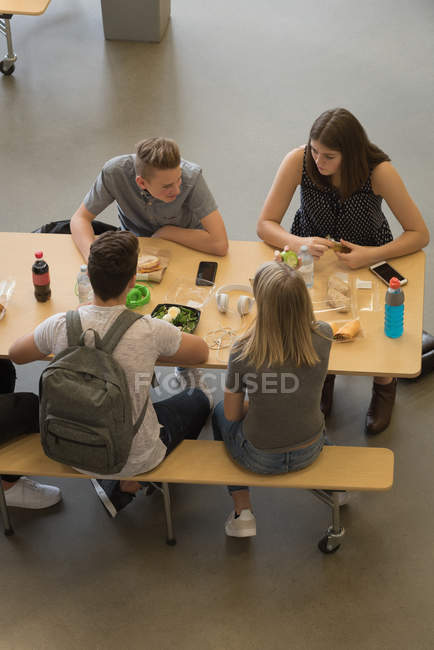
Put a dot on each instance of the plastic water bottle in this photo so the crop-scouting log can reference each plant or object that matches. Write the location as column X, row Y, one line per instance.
column 394, row 310
column 306, row 266
column 84, row 287
column 41, row 278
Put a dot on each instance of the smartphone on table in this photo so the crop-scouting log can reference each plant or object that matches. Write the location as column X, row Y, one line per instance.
column 386, row 272
column 206, row 273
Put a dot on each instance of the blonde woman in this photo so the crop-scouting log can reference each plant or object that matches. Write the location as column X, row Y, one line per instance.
column 281, row 363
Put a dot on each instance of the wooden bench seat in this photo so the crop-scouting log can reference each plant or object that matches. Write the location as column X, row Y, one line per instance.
column 207, row 462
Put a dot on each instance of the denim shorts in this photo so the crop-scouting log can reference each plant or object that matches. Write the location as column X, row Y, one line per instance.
column 256, row 460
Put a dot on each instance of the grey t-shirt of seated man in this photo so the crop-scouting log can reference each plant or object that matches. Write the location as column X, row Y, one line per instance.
column 141, row 213
column 284, row 401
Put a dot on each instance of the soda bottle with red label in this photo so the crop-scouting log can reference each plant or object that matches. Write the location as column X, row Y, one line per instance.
column 41, row 278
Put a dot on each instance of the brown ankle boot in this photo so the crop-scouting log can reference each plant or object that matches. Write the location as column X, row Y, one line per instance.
column 381, row 407
column 327, row 395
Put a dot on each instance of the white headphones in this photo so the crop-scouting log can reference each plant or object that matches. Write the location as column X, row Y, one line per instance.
column 244, row 304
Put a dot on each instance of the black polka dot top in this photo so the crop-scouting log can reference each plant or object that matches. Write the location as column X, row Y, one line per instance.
column 357, row 219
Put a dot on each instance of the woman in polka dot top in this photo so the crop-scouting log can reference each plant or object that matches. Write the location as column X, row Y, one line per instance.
column 343, row 179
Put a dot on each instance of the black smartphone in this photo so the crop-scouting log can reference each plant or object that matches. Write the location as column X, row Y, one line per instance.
column 206, row 274
column 385, row 272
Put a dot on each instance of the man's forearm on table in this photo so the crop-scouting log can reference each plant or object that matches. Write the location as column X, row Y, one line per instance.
column 82, row 234
column 200, row 240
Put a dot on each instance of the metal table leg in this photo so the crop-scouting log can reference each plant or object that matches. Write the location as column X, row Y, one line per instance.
column 7, row 64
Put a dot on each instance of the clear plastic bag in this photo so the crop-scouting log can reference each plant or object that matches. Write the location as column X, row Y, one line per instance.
column 334, row 298
column 368, row 295
column 185, row 292
column 6, row 290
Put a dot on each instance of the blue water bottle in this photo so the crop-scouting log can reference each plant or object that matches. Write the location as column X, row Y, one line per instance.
column 394, row 310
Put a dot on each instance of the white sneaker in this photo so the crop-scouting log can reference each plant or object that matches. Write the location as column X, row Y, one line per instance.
column 179, row 373
column 242, row 525
column 27, row 493
column 192, row 378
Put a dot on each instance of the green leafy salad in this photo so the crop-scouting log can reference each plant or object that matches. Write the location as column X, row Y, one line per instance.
column 185, row 318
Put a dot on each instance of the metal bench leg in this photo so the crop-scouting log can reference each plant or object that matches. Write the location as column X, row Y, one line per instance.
column 164, row 489
column 7, row 64
column 168, row 512
column 335, row 533
column 4, row 512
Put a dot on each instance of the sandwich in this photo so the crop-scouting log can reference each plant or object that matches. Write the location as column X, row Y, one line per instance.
column 335, row 328
column 335, row 282
column 348, row 331
column 338, row 301
column 148, row 264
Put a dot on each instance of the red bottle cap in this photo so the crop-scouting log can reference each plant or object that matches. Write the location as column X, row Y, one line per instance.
column 394, row 283
column 39, row 254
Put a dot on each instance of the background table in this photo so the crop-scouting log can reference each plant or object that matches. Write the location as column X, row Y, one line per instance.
column 371, row 354
column 7, row 9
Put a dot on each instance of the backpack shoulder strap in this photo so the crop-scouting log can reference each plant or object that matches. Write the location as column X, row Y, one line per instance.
column 74, row 329
column 125, row 319
column 142, row 414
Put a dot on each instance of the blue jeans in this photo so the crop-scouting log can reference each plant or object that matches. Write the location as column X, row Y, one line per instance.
column 182, row 416
column 256, row 460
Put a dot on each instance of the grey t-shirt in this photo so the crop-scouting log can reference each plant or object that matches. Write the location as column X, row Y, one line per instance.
column 137, row 351
column 284, row 402
column 140, row 212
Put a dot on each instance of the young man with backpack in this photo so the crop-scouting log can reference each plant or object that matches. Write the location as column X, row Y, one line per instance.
column 146, row 341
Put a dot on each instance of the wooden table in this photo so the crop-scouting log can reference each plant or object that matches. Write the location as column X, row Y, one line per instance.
column 24, row 7
column 371, row 354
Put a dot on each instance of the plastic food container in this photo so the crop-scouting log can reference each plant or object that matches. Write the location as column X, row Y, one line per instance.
column 187, row 320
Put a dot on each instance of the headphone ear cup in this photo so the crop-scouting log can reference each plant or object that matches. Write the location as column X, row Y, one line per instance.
column 222, row 302
column 244, row 305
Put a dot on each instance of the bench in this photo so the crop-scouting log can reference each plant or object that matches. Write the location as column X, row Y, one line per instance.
column 207, row 462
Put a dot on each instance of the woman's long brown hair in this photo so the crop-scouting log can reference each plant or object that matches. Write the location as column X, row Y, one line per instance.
column 339, row 130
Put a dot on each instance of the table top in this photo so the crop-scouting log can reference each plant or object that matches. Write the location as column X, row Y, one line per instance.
column 26, row 7
column 372, row 353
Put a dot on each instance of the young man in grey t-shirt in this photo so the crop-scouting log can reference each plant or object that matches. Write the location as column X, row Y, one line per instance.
column 157, row 194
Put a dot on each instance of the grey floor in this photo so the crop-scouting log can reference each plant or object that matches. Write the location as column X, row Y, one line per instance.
column 237, row 84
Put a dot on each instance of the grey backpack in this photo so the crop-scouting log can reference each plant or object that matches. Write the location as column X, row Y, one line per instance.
column 85, row 412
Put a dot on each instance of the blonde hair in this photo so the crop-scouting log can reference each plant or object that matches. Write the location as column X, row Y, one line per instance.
column 156, row 153
column 283, row 327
